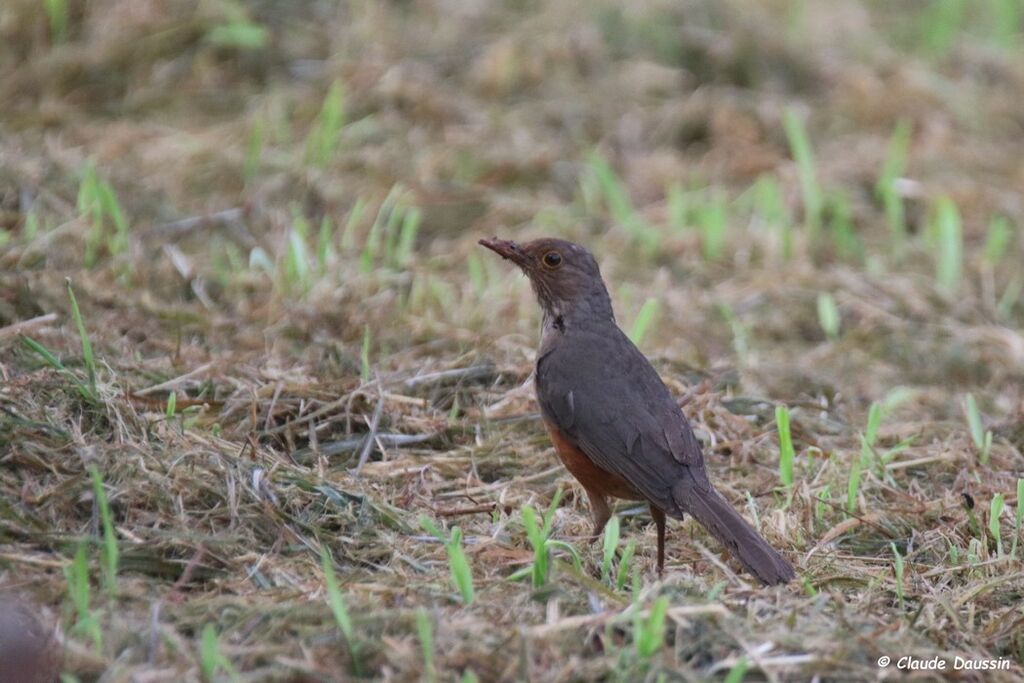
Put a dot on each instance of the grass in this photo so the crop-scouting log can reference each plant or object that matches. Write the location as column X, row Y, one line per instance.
column 98, row 204
column 887, row 187
column 995, row 511
column 644, row 322
column 981, row 437
column 212, row 659
column 1018, row 520
column 325, row 135
column 828, row 316
column 76, row 574
column 803, row 155
column 338, row 609
column 58, row 16
column 282, row 347
column 425, row 630
column 458, row 564
column 786, row 452
column 649, row 631
column 110, row 551
column 947, row 238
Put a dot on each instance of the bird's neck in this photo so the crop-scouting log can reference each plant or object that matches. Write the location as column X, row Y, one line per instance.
column 582, row 312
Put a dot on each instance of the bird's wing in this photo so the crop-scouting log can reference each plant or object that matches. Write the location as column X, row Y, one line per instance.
column 604, row 396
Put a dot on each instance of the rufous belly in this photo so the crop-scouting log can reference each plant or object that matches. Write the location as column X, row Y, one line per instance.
column 587, row 473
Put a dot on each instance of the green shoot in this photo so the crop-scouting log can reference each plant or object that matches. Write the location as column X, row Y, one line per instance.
column 974, row 552
column 644, row 321
column 538, row 536
column 947, row 232
column 997, row 241
column 740, row 334
column 297, row 271
column 803, row 155
column 477, row 274
column 253, row 152
column 211, row 659
column 355, row 217
column 110, row 553
column 713, row 219
column 649, row 633
column 56, row 364
column 238, row 32
column 828, row 315
column 853, row 485
column 425, row 630
column 1010, row 296
column 402, row 246
column 77, row 576
column 981, row 437
column 57, row 16
column 87, row 355
column 603, row 183
column 995, row 511
column 364, row 356
column 458, row 564
column 625, row 564
column 940, row 24
column 738, row 671
column 898, row 569
column 1018, row 520
column 323, row 139
column 786, row 451
column 172, row 405
column 393, row 233
column 610, row 545
column 338, row 608
column 841, row 229
column 874, row 423
column 886, row 189
column 770, row 210
column 677, row 206
column 31, row 229
column 823, row 499
column 1006, row 22
column 98, row 202
column 324, row 242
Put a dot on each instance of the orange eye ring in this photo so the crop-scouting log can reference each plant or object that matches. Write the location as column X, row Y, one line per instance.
column 552, row 259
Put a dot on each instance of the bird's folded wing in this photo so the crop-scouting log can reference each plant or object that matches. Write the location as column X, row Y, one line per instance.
column 618, row 412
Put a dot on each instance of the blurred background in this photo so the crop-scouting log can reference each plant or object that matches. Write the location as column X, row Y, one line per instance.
column 268, row 213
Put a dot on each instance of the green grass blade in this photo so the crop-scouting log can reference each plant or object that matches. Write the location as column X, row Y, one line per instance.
column 87, row 355
column 338, row 608
column 828, row 315
column 610, row 544
column 995, row 511
column 110, row 552
column 425, row 631
column 644, row 321
column 949, row 245
column 786, row 451
column 803, row 155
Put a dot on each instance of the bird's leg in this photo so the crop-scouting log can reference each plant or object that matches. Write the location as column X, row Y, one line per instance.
column 659, row 520
column 600, row 512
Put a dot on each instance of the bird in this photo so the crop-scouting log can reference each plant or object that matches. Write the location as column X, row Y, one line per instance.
column 613, row 422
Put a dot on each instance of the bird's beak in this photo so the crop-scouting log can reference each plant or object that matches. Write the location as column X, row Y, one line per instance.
column 509, row 250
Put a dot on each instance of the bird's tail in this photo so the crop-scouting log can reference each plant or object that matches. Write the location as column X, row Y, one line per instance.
column 718, row 517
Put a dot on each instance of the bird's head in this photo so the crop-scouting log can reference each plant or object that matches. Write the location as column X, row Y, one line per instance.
column 564, row 276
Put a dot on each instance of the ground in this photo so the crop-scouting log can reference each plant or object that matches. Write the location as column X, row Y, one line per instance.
column 293, row 361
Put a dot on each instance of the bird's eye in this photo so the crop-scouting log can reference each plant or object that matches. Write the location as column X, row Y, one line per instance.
column 552, row 259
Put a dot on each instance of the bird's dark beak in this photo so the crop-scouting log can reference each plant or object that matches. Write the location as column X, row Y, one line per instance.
column 509, row 250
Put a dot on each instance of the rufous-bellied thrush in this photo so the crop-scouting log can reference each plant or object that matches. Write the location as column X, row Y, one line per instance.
column 612, row 420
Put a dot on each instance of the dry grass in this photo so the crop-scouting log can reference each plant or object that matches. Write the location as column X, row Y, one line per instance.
column 334, row 382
